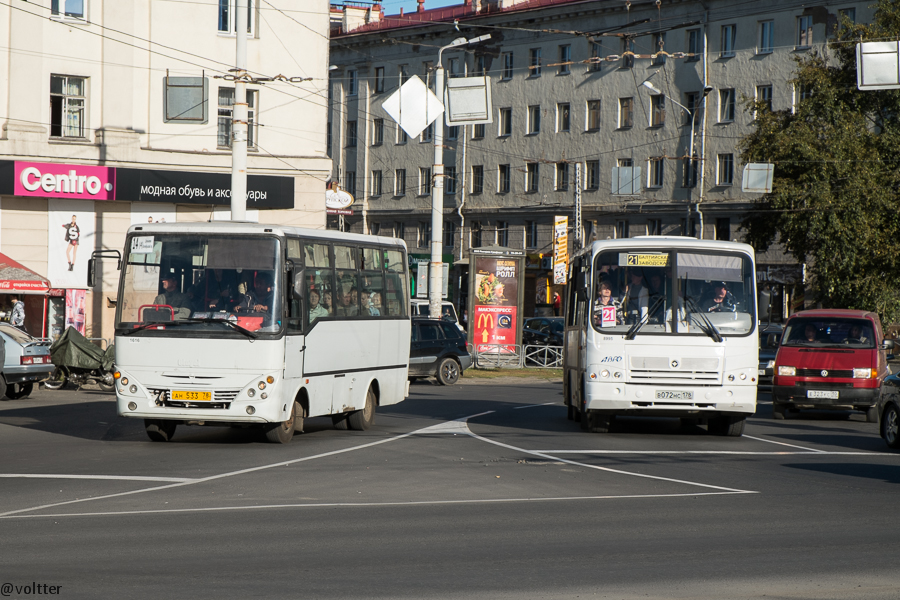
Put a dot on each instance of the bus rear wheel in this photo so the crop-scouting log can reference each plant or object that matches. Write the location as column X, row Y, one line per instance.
column 727, row 426
column 160, row 430
column 282, row 433
column 361, row 420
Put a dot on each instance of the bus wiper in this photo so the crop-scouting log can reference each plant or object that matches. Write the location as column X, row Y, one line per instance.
column 644, row 320
column 706, row 325
column 231, row 324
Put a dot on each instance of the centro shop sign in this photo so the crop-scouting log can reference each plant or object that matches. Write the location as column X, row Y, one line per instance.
column 64, row 181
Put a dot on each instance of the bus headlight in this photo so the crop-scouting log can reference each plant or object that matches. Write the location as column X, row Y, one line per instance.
column 251, row 392
column 604, row 373
column 124, row 381
column 787, row 371
column 261, row 385
column 132, row 389
column 863, row 373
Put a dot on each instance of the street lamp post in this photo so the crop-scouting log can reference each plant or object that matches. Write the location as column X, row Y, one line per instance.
column 435, row 277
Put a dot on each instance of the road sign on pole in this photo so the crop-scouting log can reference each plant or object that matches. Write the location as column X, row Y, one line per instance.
column 414, row 107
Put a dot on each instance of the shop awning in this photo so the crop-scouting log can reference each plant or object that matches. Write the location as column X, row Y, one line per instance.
column 15, row 277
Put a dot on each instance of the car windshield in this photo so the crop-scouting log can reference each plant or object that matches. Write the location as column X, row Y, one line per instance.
column 689, row 292
column 196, row 281
column 829, row 333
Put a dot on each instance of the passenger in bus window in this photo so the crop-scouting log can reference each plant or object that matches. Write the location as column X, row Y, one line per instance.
column 316, row 310
column 632, row 299
column 180, row 303
column 604, row 298
column 375, row 304
column 327, row 304
column 348, row 306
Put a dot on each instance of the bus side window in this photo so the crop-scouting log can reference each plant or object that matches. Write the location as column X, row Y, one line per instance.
column 396, row 296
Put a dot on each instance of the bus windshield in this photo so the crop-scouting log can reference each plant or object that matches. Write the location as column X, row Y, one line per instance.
column 682, row 291
column 201, row 283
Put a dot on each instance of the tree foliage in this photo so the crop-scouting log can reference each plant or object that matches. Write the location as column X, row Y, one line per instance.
column 835, row 203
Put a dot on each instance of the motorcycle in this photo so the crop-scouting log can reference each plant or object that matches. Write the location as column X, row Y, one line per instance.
column 79, row 361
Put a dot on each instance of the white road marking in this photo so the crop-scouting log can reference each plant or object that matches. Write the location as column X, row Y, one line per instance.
column 783, row 444
column 367, row 504
column 715, row 452
column 535, row 405
column 112, row 477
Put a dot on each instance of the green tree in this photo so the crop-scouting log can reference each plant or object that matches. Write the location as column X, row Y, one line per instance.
column 836, row 191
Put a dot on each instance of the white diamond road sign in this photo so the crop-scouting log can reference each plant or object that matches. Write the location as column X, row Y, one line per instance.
column 414, row 107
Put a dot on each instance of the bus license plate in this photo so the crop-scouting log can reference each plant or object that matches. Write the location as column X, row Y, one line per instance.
column 821, row 394
column 195, row 396
column 663, row 395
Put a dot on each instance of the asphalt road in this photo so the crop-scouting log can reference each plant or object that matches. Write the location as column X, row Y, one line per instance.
column 480, row 490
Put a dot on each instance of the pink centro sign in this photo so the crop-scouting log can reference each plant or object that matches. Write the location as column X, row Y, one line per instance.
column 51, row 180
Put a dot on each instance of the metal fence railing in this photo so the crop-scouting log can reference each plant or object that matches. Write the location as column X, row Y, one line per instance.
column 498, row 356
column 544, row 357
column 104, row 342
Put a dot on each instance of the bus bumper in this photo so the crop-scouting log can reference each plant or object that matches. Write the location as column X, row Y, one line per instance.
column 668, row 400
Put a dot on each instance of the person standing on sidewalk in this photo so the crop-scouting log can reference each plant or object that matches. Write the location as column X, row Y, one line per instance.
column 17, row 318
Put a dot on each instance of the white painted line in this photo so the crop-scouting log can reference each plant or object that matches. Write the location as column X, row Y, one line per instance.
column 715, row 452
column 369, row 504
column 782, row 444
column 535, row 405
column 107, row 477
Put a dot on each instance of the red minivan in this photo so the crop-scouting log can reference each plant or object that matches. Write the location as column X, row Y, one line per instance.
column 830, row 358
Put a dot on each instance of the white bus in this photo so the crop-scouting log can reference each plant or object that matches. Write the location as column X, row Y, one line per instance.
column 662, row 326
column 242, row 323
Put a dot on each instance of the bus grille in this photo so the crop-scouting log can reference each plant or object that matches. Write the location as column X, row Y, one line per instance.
column 664, row 369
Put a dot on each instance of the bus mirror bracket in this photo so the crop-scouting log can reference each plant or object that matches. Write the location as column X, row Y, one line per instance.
column 94, row 263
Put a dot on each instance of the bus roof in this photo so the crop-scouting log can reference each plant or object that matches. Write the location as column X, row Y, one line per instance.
column 664, row 241
column 247, row 227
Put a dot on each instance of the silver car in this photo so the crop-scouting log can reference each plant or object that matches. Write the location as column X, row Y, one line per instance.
column 27, row 361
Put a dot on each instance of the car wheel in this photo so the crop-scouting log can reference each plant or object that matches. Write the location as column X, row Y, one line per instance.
column 890, row 426
column 448, row 372
column 14, row 391
column 872, row 414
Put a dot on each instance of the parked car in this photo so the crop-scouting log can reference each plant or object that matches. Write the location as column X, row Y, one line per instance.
column 767, row 353
column 438, row 349
column 543, row 331
column 26, row 361
column 830, row 358
column 420, row 308
column 889, row 411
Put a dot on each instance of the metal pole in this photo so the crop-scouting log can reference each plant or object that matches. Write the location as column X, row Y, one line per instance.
column 239, row 117
column 435, row 278
column 579, row 233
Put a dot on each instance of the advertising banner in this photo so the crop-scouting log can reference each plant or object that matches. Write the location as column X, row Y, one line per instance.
column 495, row 304
column 560, row 249
column 70, row 224
column 51, row 180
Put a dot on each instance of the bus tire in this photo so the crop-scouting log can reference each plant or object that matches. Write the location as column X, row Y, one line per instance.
column 570, row 412
column 160, row 430
column 361, row 420
column 339, row 421
column 448, row 372
column 778, row 411
column 727, row 426
column 596, row 423
column 283, row 432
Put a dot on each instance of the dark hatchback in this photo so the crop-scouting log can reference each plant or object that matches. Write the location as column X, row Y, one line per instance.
column 438, row 349
column 543, row 331
column 767, row 354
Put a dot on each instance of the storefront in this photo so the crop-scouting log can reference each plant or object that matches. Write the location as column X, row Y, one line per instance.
column 18, row 281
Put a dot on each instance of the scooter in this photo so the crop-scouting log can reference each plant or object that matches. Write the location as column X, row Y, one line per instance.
column 78, row 362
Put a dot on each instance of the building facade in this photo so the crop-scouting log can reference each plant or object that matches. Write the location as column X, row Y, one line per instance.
column 637, row 107
column 117, row 113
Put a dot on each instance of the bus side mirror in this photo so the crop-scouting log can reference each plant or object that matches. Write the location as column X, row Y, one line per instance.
column 772, row 340
column 91, row 273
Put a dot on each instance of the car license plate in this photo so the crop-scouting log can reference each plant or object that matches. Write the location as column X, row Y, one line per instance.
column 680, row 395
column 821, row 394
column 195, row 396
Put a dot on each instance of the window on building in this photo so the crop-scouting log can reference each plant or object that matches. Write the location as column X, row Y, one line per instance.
column 627, row 53
column 479, row 69
column 376, row 183
column 403, row 73
column 505, row 121
column 766, row 37
column 626, row 112
column 846, row 13
column 477, row 179
column 565, row 57
column 726, row 169
column 423, row 240
column 350, row 182
column 593, row 115
column 723, row 229
column 726, row 106
column 728, row 32
column 449, row 234
column 534, row 62
column 227, row 14
column 622, row 231
column 654, row 226
column 400, row 230
column 452, row 133
column 352, row 83
column 377, row 132
column 802, row 92
column 328, row 139
column 502, row 238
column 691, row 170
column 428, row 74
column 475, row 228
column 656, row 170
column 532, row 177
column 596, row 55
column 450, row 180
column 226, row 102
column 424, row 181
column 351, row 134
column 562, row 176
column 764, row 94
column 531, row 234
column 534, row 119
column 478, row 131
column 694, row 45
column 428, row 133
column 562, row 116
column 507, row 66
column 400, row 182
column 402, row 138
column 592, row 175
column 68, row 104
column 74, row 9
column 804, row 31
column 374, row 228
column 691, row 103
column 503, row 179
column 689, row 227
column 625, row 162
column 379, row 80
column 658, row 110
column 659, row 47
column 453, row 68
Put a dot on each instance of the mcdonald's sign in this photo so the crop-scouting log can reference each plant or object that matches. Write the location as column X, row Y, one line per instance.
column 485, row 321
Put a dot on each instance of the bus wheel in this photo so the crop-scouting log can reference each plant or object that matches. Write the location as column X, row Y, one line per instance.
column 160, row 430
column 339, row 421
column 727, row 426
column 281, row 433
column 360, row 420
column 570, row 412
column 596, row 423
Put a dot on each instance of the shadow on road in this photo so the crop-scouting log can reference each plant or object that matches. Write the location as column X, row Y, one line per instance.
column 885, row 473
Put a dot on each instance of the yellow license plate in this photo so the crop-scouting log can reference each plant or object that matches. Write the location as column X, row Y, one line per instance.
column 196, row 396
